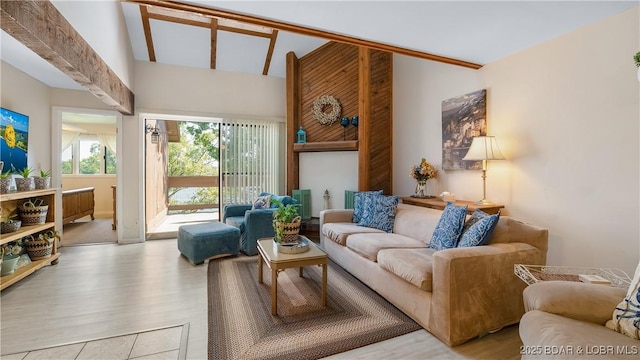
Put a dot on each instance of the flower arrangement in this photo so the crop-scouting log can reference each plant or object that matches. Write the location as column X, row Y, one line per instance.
column 423, row 171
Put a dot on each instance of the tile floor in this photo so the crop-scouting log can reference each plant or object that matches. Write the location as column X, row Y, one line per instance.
column 163, row 344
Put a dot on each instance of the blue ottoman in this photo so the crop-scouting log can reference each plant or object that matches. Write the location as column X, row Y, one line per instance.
column 207, row 241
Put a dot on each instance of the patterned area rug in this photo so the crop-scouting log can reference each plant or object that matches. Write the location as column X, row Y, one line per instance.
column 241, row 325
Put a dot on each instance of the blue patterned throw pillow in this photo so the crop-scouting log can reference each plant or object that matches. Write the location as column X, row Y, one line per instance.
column 381, row 214
column 363, row 200
column 478, row 229
column 262, row 202
column 449, row 227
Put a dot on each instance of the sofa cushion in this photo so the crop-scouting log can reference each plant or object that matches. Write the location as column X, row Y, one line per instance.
column 449, row 228
column 412, row 265
column 368, row 245
column 381, row 214
column 416, row 222
column 363, row 200
column 478, row 228
column 540, row 330
column 626, row 316
column 338, row 232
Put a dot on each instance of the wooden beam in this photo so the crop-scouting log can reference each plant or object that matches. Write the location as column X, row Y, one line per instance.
column 364, row 124
column 272, row 45
column 178, row 20
column 214, row 42
column 303, row 30
column 292, row 82
column 43, row 29
column 244, row 31
column 147, row 33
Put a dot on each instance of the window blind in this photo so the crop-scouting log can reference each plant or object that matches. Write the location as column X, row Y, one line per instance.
column 251, row 159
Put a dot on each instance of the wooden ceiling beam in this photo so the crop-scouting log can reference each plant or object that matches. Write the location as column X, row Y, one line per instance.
column 146, row 26
column 303, row 30
column 214, row 42
column 42, row 28
column 272, row 45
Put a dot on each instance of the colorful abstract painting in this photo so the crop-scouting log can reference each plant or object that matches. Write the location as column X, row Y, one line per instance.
column 463, row 118
column 14, row 139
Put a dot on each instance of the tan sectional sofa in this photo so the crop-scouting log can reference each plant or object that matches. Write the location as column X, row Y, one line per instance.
column 456, row 294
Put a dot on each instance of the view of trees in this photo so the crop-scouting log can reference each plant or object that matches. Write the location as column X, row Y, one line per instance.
column 195, row 155
column 92, row 164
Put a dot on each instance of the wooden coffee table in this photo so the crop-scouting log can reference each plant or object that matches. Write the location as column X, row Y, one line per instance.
column 278, row 262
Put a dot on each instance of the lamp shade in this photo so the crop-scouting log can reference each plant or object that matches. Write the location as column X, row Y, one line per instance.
column 484, row 148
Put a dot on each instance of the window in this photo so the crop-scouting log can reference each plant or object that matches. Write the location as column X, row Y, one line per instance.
column 87, row 156
column 67, row 160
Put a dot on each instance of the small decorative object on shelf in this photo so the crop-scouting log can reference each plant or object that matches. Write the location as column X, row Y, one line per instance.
column 354, row 122
column 326, row 109
column 26, row 182
column 422, row 172
column 44, row 180
column 344, row 122
column 302, row 136
column 33, row 212
column 5, row 182
column 9, row 225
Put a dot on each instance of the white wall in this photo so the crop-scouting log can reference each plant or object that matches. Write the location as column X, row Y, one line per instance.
column 26, row 95
column 334, row 171
column 566, row 115
column 101, row 23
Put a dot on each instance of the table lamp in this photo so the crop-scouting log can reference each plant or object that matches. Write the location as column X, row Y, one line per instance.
column 484, row 148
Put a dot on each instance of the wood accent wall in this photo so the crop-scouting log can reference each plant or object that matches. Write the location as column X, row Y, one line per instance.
column 361, row 80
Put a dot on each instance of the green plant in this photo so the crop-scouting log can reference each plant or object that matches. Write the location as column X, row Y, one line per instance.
column 5, row 175
column 26, row 172
column 283, row 214
column 45, row 173
column 636, row 59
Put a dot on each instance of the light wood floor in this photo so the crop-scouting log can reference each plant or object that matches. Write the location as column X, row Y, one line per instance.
column 98, row 291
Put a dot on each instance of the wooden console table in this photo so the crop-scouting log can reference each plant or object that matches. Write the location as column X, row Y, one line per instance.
column 436, row 203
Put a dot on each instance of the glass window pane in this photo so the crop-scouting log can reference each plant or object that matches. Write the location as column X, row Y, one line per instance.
column 110, row 162
column 67, row 160
column 90, row 157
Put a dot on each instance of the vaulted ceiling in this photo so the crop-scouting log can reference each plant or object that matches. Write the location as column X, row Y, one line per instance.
column 477, row 32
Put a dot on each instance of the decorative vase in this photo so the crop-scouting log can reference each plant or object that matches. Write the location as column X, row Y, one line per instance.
column 420, row 188
column 42, row 182
column 639, row 73
column 9, row 264
column 25, row 184
column 5, row 185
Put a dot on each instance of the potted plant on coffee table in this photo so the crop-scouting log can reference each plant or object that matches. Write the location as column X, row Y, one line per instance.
column 286, row 222
column 25, row 183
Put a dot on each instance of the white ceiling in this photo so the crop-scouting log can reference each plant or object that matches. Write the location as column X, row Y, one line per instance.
column 474, row 31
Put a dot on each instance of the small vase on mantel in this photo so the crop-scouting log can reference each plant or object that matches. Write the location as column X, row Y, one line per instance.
column 420, row 188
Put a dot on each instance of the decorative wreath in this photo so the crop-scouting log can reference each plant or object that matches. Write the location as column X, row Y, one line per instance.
column 324, row 103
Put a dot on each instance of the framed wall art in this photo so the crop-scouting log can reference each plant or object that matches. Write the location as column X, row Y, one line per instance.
column 463, row 118
column 14, row 139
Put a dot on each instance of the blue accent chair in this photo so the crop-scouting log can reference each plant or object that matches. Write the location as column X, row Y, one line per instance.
column 253, row 224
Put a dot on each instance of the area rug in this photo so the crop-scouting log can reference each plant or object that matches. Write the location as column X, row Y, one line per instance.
column 241, row 325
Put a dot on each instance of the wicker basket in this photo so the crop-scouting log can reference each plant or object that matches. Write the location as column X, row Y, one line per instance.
column 290, row 230
column 40, row 248
column 9, row 227
column 32, row 215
